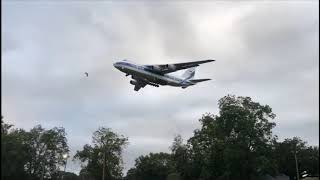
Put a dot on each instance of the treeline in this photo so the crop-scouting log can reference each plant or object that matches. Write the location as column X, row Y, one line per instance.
column 237, row 143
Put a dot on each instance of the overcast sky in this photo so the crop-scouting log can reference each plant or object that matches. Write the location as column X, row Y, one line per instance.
column 265, row 50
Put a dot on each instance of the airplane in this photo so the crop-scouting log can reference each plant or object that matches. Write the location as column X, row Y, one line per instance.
column 156, row 75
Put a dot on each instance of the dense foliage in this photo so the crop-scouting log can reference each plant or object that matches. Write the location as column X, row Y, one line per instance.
column 237, row 143
column 103, row 158
column 37, row 154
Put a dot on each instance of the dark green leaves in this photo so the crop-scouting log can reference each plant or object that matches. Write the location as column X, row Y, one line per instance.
column 34, row 154
column 105, row 144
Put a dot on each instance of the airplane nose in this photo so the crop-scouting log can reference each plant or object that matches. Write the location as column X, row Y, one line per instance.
column 116, row 65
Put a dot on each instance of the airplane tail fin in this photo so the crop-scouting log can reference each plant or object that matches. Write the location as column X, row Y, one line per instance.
column 189, row 73
column 199, row 80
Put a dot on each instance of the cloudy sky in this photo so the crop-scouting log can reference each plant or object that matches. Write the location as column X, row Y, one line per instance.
column 265, row 50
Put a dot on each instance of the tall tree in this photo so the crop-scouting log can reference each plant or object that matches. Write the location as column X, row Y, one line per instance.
column 155, row 166
column 13, row 154
column 237, row 143
column 36, row 154
column 307, row 157
column 103, row 159
column 181, row 158
column 46, row 149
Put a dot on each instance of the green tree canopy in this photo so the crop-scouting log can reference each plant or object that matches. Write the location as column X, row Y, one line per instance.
column 35, row 154
column 13, row 154
column 104, row 156
column 155, row 166
column 236, row 143
column 181, row 158
column 307, row 157
column 46, row 150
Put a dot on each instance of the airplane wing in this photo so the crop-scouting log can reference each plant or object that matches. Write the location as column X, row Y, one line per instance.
column 198, row 80
column 168, row 68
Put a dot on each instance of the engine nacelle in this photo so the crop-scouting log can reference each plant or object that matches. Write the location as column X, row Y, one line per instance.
column 133, row 82
column 171, row 67
column 156, row 68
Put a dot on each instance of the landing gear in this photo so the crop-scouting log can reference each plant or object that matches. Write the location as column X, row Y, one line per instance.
column 152, row 84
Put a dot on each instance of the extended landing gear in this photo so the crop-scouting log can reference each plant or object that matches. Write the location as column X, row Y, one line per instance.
column 155, row 85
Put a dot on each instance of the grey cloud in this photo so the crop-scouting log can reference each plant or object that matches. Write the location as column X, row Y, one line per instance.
column 8, row 43
column 266, row 51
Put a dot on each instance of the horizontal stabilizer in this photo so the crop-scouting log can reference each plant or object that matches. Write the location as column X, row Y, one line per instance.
column 198, row 80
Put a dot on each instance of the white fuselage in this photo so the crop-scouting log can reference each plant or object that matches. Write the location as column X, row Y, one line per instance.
column 145, row 73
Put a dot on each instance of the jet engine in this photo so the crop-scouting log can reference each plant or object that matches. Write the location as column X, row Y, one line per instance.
column 171, row 67
column 133, row 82
column 156, row 68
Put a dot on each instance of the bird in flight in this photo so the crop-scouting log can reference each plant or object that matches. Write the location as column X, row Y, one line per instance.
column 86, row 74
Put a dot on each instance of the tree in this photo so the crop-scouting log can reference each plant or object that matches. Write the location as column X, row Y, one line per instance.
column 237, row 143
column 70, row 176
column 155, row 166
column 103, row 159
column 5, row 128
column 13, row 154
column 181, row 158
column 307, row 157
column 309, row 160
column 174, row 176
column 36, row 154
column 46, row 149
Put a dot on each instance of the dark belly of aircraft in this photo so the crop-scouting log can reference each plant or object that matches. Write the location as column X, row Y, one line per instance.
column 151, row 78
